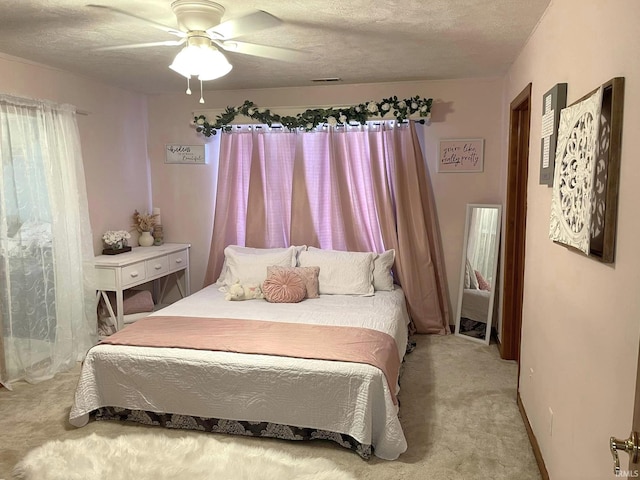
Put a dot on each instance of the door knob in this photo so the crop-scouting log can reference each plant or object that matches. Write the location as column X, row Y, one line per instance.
column 630, row 445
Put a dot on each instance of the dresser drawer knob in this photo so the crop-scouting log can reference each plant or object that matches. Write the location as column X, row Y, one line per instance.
column 134, row 274
column 178, row 260
column 158, row 266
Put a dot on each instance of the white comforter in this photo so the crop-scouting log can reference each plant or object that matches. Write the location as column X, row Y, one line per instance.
column 348, row 398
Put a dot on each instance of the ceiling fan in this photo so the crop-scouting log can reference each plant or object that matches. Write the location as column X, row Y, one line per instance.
column 201, row 31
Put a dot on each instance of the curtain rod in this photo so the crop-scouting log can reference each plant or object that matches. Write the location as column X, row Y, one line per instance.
column 375, row 122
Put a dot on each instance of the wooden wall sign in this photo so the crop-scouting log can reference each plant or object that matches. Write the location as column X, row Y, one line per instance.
column 461, row 155
column 188, row 154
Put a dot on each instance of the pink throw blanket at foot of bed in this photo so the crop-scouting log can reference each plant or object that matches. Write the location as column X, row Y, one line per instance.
column 321, row 342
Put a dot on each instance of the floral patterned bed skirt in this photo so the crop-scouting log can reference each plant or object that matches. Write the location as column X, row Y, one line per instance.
column 234, row 427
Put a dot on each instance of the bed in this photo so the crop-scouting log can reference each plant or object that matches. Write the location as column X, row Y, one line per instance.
column 252, row 394
column 475, row 304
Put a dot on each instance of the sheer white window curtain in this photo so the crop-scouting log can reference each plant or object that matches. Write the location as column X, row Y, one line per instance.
column 47, row 300
column 482, row 241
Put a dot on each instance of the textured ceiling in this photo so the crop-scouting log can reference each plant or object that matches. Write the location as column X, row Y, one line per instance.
column 357, row 41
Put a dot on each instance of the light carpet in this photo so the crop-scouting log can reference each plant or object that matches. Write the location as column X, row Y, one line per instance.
column 458, row 411
column 157, row 457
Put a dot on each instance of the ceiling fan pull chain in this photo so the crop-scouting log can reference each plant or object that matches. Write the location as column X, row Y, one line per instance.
column 201, row 98
column 188, row 87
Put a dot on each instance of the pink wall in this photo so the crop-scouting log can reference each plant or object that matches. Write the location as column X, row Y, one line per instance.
column 580, row 317
column 113, row 137
column 463, row 108
column 119, row 174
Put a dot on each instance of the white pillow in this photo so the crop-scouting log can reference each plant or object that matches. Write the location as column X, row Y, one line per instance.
column 249, row 267
column 382, row 277
column 473, row 280
column 467, row 278
column 224, row 279
column 341, row 273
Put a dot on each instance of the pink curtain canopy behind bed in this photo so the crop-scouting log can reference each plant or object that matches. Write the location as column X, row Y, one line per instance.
column 356, row 189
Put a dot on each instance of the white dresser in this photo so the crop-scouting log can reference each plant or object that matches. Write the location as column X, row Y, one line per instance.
column 116, row 273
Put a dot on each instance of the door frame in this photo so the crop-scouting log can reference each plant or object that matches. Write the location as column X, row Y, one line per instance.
column 515, row 225
column 3, row 361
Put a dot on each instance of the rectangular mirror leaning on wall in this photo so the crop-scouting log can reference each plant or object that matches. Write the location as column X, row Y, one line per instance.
column 479, row 272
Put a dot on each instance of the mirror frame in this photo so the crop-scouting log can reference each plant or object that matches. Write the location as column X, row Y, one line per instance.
column 465, row 246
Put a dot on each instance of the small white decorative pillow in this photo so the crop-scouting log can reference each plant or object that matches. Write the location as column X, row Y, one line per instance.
column 341, row 273
column 251, row 268
column 382, row 277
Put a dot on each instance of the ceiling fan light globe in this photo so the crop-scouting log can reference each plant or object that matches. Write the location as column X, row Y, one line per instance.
column 203, row 61
column 214, row 65
column 187, row 61
column 216, row 72
column 177, row 69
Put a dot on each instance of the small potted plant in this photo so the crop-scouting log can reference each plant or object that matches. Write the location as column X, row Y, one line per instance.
column 116, row 241
column 144, row 224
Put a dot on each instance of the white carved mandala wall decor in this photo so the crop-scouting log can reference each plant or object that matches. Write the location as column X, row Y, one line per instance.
column 571, row 203
column 599, row 201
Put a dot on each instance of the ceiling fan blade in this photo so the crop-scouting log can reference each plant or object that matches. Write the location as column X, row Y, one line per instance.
column 249, row 23
column 276, row 53
column 168, row 43
column 157, row 25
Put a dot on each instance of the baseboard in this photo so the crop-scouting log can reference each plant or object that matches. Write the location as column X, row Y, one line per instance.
column 534, row 442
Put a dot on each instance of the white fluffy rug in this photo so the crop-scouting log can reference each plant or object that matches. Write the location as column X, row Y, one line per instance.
column 158, row 457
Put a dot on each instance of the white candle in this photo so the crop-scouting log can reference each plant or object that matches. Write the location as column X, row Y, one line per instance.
column 156, row 211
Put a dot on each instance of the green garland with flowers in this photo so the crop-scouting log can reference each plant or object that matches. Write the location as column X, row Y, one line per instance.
column 400, row 109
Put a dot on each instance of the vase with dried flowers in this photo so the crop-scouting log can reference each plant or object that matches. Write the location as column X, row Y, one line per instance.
column 144, row 223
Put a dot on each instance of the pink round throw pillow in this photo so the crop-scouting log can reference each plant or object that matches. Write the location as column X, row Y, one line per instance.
column 284, row 287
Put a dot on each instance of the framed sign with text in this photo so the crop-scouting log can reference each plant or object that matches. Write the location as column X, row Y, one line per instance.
column 552, row 103
column 187, row 154
column 461, row 155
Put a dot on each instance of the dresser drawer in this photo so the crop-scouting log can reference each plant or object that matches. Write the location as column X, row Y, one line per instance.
column 178, row 261
column 157, row 266
column 133, row 274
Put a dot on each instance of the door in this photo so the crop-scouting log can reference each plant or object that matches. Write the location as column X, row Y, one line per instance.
column 624, row 467
column 515, row 225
